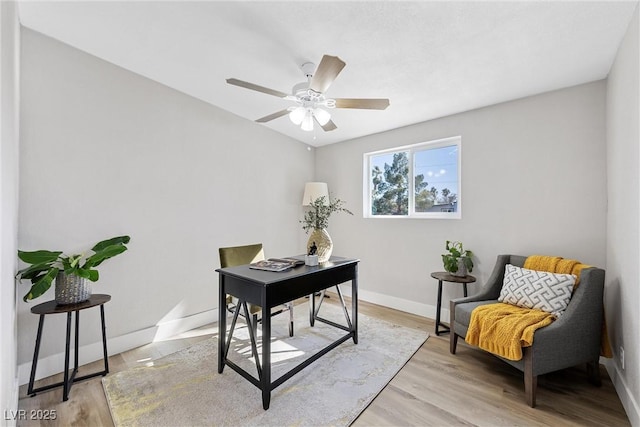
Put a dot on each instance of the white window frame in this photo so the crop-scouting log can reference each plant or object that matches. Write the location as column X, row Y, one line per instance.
column 412, row 149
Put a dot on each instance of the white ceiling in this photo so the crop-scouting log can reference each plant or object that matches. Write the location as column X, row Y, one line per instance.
column 431, row 59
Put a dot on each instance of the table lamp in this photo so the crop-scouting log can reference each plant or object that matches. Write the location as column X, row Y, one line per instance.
column 313, row 191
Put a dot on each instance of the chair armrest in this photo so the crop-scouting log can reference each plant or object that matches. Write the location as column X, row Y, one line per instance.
column 575, row 336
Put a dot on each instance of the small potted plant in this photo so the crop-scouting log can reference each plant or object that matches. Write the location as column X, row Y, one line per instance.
column 317, row 219
column 69, row 271
column 458, row 261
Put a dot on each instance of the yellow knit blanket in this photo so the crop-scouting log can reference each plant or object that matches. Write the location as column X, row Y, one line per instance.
column 556, row 264
column 503, row 329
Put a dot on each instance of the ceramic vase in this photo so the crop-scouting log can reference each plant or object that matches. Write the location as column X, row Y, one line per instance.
column 323, row 242
column 462, row 269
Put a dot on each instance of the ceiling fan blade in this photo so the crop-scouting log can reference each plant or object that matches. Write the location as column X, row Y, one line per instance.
column 328, row 70
column 272, row 116
column 363, row 103
column 329, row 126
column 258, row 88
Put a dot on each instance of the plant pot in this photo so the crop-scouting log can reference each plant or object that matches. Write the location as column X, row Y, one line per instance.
column 462, row 269
column 323, row 243
column 71, row 289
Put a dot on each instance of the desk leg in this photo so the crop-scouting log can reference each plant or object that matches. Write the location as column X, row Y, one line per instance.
column 266, row 358
column 65, row 389
column 35, row 356
column 312, row 309
column 222, row 323
column 464, row 289
column 354, row 305
column 104, row 341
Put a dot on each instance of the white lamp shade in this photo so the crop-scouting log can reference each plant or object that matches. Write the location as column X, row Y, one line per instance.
column 313, row 191
column 297, row 115
column 322, row 116
column 307, row 122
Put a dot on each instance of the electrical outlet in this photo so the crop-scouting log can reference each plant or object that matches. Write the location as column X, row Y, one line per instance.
column 622, row 357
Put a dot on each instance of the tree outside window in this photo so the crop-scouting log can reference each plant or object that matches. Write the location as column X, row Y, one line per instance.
column 433, row 190
column 390, row 190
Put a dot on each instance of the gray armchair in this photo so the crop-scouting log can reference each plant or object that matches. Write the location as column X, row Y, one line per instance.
column 572, row 339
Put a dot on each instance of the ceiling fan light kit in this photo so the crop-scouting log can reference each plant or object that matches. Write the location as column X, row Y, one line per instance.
column 322, row 116
column 310, row 96
column 297, row 115
column 307, row 122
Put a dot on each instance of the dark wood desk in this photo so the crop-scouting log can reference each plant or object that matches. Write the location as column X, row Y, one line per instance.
column 51, row 307
column 443, row 276
column 269, row 289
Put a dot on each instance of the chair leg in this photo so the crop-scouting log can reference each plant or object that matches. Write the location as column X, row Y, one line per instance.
column 593, row 373
column 453, row 341
column 530, row 380
column 453, row 338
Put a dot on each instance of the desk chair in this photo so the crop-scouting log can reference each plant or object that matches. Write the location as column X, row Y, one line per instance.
column 240, row 255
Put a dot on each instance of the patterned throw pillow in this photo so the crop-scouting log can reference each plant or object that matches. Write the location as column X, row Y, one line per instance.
column 548, row 292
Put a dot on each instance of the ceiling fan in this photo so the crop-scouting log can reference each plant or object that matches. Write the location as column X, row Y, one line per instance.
column 310, row 99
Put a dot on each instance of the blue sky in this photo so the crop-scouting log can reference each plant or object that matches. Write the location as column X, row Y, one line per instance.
column 438, row 165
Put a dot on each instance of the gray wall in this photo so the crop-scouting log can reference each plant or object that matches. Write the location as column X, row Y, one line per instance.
column 9, row 114
column 533, row 182
column 623, row 221
column 106, row 152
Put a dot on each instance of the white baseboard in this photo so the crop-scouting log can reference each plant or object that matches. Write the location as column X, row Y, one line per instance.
column 627, row 398
column 13, row 420
column 424, row 310
column 54, row 364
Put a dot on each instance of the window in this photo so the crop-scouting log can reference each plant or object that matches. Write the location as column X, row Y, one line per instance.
column 416, row 181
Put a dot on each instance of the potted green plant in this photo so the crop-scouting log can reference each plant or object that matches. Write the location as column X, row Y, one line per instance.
column 317, row 220
column 458, row 261
column 71, row 270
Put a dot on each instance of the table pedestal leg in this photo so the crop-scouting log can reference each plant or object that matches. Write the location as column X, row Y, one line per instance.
column 65, row 386
column 35, row 356
column 104, row 342
column 438, row 309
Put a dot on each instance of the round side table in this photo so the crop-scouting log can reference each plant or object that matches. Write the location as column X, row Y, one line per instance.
column 443, row 276
column 51, row 307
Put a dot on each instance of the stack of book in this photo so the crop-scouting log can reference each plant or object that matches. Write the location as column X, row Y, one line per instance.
column 276, row 264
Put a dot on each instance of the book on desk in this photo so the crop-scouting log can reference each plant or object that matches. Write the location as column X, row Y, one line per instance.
column 276, row 264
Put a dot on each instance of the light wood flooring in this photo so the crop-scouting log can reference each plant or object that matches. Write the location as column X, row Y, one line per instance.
column 435, row 388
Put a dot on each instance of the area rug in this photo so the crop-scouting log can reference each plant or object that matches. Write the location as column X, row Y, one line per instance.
column 185, row 389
